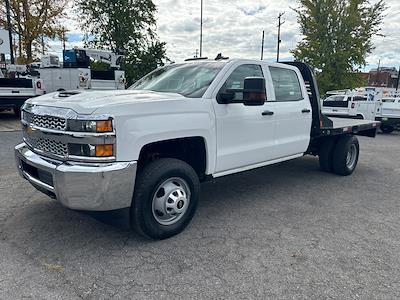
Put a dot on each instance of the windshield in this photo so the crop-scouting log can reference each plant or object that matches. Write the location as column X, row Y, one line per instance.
column 190, row 80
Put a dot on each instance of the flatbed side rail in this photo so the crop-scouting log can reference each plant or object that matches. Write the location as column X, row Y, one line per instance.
column 367, row 129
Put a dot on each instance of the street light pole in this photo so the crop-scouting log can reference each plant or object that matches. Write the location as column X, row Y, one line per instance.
column 262, row 45
column 201, row 28
column 9, row 30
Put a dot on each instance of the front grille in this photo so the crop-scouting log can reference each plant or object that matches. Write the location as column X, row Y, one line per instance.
column 47, row 145
column 48, row 122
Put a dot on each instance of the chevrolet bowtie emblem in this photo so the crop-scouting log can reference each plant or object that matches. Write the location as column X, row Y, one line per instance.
column 30, row 130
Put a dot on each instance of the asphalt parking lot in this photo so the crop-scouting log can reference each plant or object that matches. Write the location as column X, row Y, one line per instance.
column 287, row 231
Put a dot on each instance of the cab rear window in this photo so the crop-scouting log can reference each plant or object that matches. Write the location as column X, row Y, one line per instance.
column 286, row 84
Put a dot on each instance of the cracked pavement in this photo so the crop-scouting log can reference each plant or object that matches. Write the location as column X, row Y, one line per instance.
column 286, row 231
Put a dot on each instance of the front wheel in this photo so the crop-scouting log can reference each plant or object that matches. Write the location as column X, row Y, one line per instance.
column 165, row 198
column 345, row 155
column 17, row 111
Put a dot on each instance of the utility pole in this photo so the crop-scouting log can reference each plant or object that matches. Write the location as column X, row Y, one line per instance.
column 398, row 80
column 201, row 28
column 280, row 23
column 63, row 37
column 262, row 45
column 9, row 30
column 378, row 82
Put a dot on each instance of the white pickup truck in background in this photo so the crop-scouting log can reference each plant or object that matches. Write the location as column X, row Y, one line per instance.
column 365, row 104
column 390, row 113
column 149, row 147
column 15, row 91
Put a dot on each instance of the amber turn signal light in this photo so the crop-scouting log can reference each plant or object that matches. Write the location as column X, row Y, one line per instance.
column 104, row 126
column 104, row 150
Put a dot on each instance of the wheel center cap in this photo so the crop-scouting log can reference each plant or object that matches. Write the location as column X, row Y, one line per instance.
column 180, row 204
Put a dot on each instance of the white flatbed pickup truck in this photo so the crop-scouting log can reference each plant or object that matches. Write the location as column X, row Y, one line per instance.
column 149, row 147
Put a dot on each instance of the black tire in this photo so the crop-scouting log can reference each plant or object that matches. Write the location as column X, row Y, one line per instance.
column 387, row 129
column 147, row 184
column 346, row 145
column 17, row 112
column 326, row 154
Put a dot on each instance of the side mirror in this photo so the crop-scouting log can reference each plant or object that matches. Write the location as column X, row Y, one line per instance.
column 254, row 92
column 225, row 98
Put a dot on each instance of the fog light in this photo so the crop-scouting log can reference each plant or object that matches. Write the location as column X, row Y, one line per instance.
column 104, row 150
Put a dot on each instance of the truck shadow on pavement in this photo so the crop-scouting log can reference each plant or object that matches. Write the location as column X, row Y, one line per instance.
column 9, row 121
column 221, row 200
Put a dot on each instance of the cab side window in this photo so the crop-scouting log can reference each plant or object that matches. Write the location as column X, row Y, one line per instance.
column 234, row 83
column 359, row 98
column 286, row 84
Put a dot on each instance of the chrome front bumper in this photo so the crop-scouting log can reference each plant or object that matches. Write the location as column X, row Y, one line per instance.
column 95, row 187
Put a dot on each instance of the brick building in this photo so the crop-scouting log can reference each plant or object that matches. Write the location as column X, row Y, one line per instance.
column 383, row 77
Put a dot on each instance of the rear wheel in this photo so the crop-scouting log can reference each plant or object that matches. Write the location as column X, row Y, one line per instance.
column 345, row 155
column 165, row 198
column 387, row 129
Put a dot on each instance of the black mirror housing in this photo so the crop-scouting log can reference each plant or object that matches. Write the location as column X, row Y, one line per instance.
column 254, row 92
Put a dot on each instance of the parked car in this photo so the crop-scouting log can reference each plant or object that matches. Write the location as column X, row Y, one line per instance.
column 149, row 147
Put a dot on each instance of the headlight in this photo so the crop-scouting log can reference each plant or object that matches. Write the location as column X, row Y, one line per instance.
column 87, row 150
column 90, row 125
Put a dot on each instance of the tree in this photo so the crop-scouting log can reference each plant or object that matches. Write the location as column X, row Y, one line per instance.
column 34, row 21
column 125, row 26
column 337, row 38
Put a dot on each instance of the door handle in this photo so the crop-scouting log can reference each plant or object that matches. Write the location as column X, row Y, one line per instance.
column 306, row 110
column 267, row 113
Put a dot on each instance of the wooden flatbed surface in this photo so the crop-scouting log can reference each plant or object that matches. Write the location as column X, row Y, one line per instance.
column 347, row 122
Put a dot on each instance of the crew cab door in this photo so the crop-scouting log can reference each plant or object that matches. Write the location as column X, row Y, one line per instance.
column 293, row 115
column 245, row 134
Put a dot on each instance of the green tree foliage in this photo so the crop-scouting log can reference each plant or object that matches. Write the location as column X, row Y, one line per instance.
column 125, row 26
column 34, row 21
column 337, row 39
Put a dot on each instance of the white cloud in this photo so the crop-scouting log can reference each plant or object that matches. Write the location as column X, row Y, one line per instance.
column 234, row 27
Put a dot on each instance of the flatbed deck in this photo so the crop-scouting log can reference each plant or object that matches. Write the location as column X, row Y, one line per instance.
column 347, row 125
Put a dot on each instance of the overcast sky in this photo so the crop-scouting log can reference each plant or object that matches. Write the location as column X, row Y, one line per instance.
column 234, row 27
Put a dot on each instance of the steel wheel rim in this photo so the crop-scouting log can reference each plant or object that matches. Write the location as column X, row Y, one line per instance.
column 171, row 201
column 351, row 156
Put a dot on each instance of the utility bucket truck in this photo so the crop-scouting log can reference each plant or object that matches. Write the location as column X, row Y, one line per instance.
column 29, row 81
column 149, row 147
column 76, row 73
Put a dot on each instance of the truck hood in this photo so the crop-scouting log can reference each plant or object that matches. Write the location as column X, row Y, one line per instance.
column 87, row 102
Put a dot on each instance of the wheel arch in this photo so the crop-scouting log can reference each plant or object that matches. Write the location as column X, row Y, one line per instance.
column 192, row 150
